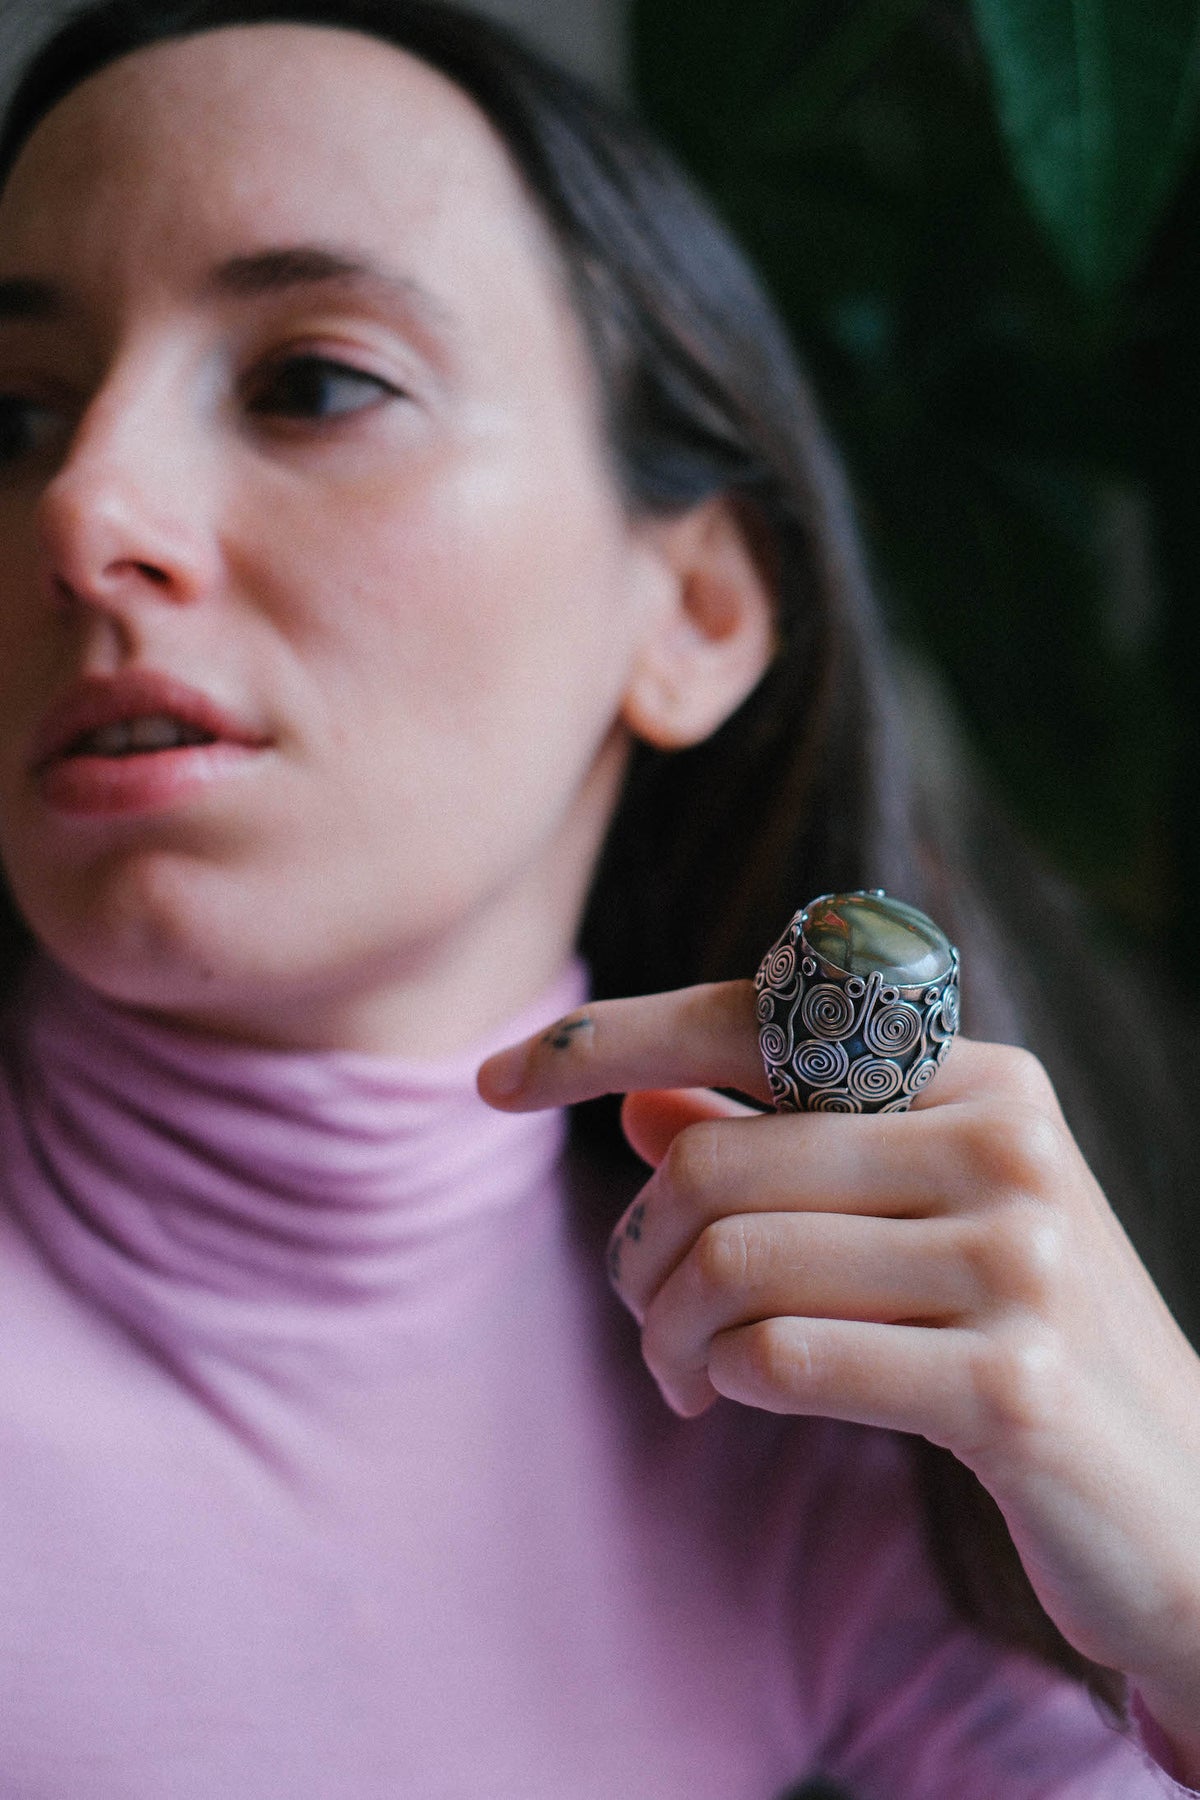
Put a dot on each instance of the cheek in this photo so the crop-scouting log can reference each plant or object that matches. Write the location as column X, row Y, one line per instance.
column 28, row 648
column 30, row 670
column 476, row 610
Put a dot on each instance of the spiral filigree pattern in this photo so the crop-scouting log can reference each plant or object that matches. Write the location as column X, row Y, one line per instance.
column 821, row 1063
column 873, row 1078
column 949, row 1011
column 785, row 1091
column 920, row 1075
column 834, row 1103
column 826, row 1011
column 780, row 967
column 893, row 1030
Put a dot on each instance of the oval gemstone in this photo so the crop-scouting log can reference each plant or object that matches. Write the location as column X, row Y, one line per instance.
column 868, row 933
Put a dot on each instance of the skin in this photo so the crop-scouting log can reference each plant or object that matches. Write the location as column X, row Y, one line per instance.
column 422, row 585
column 954, row 1271
column 439, row 612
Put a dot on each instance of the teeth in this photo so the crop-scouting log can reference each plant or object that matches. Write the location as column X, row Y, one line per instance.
column 110, row 741
column 159, row 732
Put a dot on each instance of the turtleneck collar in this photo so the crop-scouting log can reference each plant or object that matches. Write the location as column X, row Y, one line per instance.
column 170, row 1173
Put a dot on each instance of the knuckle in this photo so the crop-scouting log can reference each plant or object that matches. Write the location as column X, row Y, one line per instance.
column 722, row 1258
column 770, row 1354
column 1025, row 1076
column 1017, row 1382
column 1012, row 1148
column 1020, row 1256
column 692, row 1165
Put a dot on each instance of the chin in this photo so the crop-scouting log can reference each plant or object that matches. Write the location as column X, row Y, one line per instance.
column 234, row 947
column 166, row 937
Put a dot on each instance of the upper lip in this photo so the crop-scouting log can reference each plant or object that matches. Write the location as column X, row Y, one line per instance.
column 99, row 700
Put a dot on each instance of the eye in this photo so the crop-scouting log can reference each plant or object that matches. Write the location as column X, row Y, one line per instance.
column 26, row 427
column 315, row 387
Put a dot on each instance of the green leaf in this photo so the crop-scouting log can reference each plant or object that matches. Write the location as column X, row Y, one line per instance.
column 822, row 85
column 1098, row 100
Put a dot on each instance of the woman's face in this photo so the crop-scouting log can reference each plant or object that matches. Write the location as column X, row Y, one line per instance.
column 369, row 516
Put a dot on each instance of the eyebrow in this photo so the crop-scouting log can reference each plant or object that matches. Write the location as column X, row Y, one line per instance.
column 311, row 265
column 244, row 277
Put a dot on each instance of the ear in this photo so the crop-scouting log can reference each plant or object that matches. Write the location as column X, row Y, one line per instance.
column 710, row 630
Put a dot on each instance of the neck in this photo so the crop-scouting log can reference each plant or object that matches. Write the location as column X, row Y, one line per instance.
column 429, row 1006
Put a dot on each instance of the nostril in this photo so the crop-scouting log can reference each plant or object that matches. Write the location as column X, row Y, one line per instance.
column 158, row 575
column 109, row 590
column 64, row 594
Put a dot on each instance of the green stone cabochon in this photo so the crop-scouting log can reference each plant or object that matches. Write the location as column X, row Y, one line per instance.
column 862, row 933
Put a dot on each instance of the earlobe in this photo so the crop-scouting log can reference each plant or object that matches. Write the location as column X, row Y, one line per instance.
column 712, row 633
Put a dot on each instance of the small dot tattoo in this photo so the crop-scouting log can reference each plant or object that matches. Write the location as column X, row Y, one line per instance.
column 560, row 1036
column 633, row 1225
column 614, row 1261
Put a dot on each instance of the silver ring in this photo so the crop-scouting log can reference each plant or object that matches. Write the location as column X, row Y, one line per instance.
column 857, row 1005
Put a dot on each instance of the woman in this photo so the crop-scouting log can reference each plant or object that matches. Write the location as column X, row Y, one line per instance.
column 411, row 514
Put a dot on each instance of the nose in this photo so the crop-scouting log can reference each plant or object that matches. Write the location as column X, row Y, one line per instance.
column 123, row 526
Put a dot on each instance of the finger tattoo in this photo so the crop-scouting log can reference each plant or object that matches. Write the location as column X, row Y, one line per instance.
column 562, row 1035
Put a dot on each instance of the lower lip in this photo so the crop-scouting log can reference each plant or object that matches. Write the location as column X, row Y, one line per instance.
column 148, row 782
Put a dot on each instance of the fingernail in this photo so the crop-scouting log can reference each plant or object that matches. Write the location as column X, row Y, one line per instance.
column 504, row 1074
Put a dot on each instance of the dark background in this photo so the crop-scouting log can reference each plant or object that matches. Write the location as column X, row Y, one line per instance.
column 982, row 222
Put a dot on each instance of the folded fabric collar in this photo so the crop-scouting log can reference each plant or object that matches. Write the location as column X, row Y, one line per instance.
column 151, row 1162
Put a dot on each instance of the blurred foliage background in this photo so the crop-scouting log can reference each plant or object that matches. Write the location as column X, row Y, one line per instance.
column 981, row 219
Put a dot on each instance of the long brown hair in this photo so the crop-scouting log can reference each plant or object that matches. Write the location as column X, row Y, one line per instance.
column 808, row 788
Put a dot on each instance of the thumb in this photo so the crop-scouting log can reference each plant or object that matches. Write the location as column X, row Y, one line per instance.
column 652, row 1117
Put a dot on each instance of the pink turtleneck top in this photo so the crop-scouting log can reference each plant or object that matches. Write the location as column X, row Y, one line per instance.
column 329, row 1470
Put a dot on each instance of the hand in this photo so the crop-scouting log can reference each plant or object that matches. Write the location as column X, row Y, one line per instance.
column 953, row 1271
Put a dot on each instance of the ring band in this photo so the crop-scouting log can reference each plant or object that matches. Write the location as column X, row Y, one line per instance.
column 857, row 1005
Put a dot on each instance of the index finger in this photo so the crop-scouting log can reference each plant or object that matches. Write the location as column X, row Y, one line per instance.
column 693, row 1037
